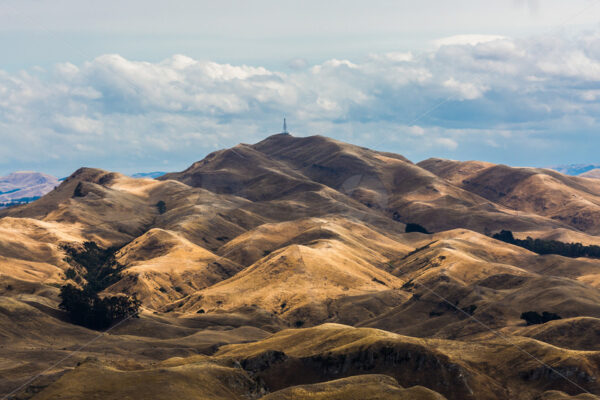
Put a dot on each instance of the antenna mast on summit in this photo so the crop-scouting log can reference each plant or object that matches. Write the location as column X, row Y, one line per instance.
column 284, row 126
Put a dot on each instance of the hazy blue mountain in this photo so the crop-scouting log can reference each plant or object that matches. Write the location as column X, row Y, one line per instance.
column 24, row 187
column 574, row 169
column 152, row 175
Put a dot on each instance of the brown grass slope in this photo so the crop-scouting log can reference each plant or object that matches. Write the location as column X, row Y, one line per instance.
column 296, row 276
column 35, row 337
column 168, row 251
column 458, row 370
column 278, row 191
column 581, row 333
column 163, row 266
column 391, row 184
column 171, row 379
column 571, row 200
column 298, row 232
column 322, row 176
column 254, row 244
column 457, row 273
column 373, row 387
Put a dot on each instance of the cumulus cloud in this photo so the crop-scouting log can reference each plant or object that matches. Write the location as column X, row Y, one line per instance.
column 448, row 143
column 468, row 94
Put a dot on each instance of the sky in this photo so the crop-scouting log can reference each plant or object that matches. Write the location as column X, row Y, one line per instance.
column 135, row 86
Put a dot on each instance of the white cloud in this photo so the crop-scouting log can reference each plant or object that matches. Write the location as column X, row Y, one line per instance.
column 574, row 64
column 120, row 110
column 448, row 143
column 465, row 90
column 78, row 124
column 415, row 130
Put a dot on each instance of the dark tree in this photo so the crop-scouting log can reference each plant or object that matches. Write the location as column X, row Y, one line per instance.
column 71, row 273
column 162, row 207
column 531, row 318
column 84, row 306
column 78, row 192
column 100, row 266
column 505, row 236
column 413, row 227
column 534, row 318
column 548, row 316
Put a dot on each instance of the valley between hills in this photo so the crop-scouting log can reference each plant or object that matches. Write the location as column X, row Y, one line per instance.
column 284, row 270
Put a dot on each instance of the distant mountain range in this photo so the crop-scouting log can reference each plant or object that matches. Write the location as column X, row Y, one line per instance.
column 23, row 187
column 579, row 170
column 153, row 175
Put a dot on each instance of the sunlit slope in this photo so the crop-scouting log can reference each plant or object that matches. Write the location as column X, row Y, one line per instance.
column 114, row 210
column 571, row 200
column 374, row 387
column 296, row 276
column 257, row 243
column 457, row 274
column 171, row 379
column 163, row 266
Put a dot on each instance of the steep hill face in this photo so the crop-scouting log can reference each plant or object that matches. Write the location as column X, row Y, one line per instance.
column 283, row 270
column 571, row 200
column 337, row 176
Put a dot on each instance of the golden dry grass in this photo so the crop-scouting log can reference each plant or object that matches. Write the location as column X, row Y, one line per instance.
column 373, row 387
column 298, row 232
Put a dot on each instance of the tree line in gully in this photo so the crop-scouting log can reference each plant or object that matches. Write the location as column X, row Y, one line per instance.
column 94, row 269
column 542, row 246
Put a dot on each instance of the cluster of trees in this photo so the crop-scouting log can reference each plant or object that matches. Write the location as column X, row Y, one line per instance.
column 96, row 265
column 534, row 318
column 86, row 308
column 95, row 269
column 541, row 246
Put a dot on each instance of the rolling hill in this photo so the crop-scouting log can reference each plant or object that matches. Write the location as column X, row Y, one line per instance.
column 571, row 200
column 283, row 269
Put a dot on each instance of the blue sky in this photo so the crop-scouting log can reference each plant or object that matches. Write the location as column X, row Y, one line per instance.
column 141, row 85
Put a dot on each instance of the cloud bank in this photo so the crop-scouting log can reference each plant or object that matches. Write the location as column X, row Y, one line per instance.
column 522, row 101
